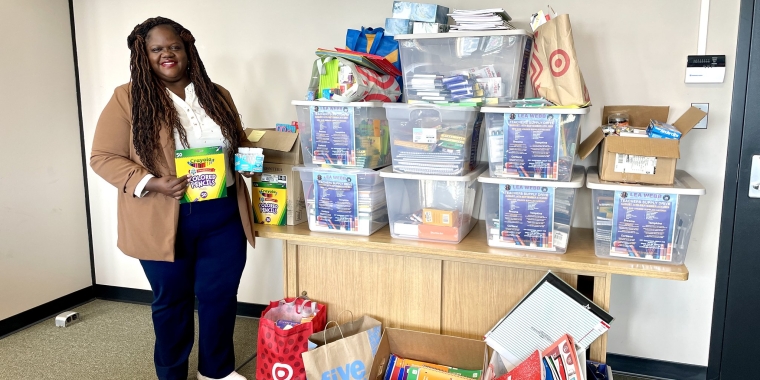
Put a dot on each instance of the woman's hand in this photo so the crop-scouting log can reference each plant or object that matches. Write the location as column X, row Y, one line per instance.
column 169, row 186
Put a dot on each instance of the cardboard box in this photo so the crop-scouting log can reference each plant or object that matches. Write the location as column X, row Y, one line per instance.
column 432, row 348
column 282, row 152
column 279, row 147
column 639, row 159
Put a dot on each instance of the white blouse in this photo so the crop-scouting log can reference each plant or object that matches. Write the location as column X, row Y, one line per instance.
column 201, row 131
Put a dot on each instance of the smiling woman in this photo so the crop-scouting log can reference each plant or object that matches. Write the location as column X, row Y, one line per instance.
column 189, row 250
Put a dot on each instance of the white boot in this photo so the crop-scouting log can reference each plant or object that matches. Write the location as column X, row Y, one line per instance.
column 233, row 376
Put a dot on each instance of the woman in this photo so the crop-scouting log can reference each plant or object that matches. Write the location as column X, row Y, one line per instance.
column 186, row 250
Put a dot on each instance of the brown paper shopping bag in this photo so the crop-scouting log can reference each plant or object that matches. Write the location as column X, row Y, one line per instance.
column 343, row 352
column 554, row 70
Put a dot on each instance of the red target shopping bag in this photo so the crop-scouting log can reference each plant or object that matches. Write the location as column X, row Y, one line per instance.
column 284, row 331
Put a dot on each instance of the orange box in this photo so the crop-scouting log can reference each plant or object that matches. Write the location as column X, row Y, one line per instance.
column 441, row 218
column 442, row 233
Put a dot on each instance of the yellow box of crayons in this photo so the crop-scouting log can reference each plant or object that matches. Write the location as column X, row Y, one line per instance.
column 206, row 170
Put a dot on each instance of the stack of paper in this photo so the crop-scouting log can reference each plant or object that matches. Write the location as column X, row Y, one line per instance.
column 484, row 19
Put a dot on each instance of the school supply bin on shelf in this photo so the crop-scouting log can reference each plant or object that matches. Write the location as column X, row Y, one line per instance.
column 349, row 135
column 649, row 223
column 532, row 143
column 430, row 207
column 344, row 201
column 434, row 140
column 465, row 66
column 533, row 215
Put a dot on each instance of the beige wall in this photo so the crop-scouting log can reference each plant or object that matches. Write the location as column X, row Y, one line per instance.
column 44, row 253
column 632, row 52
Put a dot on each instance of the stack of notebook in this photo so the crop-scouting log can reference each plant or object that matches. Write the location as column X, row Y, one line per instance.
column 484, row 19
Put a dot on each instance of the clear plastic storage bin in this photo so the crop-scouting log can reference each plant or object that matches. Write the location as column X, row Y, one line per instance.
column 524, row 214
column 432, row 208
column 648, row 223
column 451, row 67
column 344, row 201
column 534, row 143
column 434, row 140
column 348, row 135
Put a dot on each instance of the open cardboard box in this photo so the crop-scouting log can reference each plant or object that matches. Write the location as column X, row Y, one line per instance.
column 615, row 150
column 427, row 347
column 282, row 152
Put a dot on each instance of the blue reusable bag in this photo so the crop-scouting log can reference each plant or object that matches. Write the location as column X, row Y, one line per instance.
column 374, row 41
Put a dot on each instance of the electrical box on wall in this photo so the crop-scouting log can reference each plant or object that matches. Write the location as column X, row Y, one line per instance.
column 706, row 69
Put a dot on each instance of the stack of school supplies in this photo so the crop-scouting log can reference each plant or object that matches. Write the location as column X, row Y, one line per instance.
column 407, row 369
column 484, row 19
column 446, row 156
column 439, row 89
column 527, row 329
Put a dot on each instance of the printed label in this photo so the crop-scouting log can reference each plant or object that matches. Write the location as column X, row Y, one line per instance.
column 628, row 163
column 530, row 145
column 560, row 239
column 526, row 216
column 425, row 135
column 206, row 169
column 337, row 199
column 642, row 225
column 332, row 135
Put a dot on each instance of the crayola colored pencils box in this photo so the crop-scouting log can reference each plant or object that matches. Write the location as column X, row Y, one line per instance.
column 277, row 196
column 206, row 169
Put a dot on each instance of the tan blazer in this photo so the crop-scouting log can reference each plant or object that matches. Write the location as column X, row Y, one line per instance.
column 147, row 226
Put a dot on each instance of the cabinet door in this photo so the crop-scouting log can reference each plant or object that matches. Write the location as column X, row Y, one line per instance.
column 399, row 291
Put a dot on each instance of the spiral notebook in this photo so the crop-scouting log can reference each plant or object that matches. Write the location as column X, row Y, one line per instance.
column 550, row 310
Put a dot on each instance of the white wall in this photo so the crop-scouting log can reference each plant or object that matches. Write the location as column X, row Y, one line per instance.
column 631, row 53
column 44, row 252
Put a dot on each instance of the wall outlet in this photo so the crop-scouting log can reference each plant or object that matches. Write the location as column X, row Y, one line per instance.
column 706, row 108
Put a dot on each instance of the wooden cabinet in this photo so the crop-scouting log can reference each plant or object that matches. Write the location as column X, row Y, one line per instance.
column 453, row 289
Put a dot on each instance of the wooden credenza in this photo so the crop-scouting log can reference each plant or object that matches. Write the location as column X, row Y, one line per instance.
column 454, row 289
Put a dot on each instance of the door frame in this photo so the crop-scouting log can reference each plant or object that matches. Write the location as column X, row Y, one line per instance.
column 730, row 184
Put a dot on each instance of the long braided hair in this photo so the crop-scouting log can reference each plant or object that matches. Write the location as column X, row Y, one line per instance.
column 152, row 106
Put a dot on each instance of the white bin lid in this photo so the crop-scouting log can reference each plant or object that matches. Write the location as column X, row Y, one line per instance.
column 430, row 106
column 302, row 168
column 457, row 34
column 330, row 103
column 684, row 184
column 542, row 110
column 576, row 182
column 469, row 177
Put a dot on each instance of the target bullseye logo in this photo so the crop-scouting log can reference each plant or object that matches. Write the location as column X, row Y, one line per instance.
column 559, row 62
column 282, row 371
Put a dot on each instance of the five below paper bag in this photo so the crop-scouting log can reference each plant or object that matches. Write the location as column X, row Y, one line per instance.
column 554, row 70
column 206, row 169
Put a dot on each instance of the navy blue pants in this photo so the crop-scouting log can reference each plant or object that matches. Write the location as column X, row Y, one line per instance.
column 210, row 255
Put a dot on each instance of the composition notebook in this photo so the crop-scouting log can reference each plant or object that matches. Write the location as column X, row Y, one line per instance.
column 550, row 310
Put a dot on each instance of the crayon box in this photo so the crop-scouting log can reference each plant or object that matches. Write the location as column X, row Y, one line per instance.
column 206, row 169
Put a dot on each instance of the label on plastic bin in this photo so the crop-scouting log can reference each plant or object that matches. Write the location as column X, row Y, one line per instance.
column 425, row 135
column 560, row 239
column 332, row 135
column 530, row 145
column 526, row 216
column 337, row 200
column 642, row 225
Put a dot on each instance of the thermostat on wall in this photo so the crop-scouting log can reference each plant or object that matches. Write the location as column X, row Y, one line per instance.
column 706, row 69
